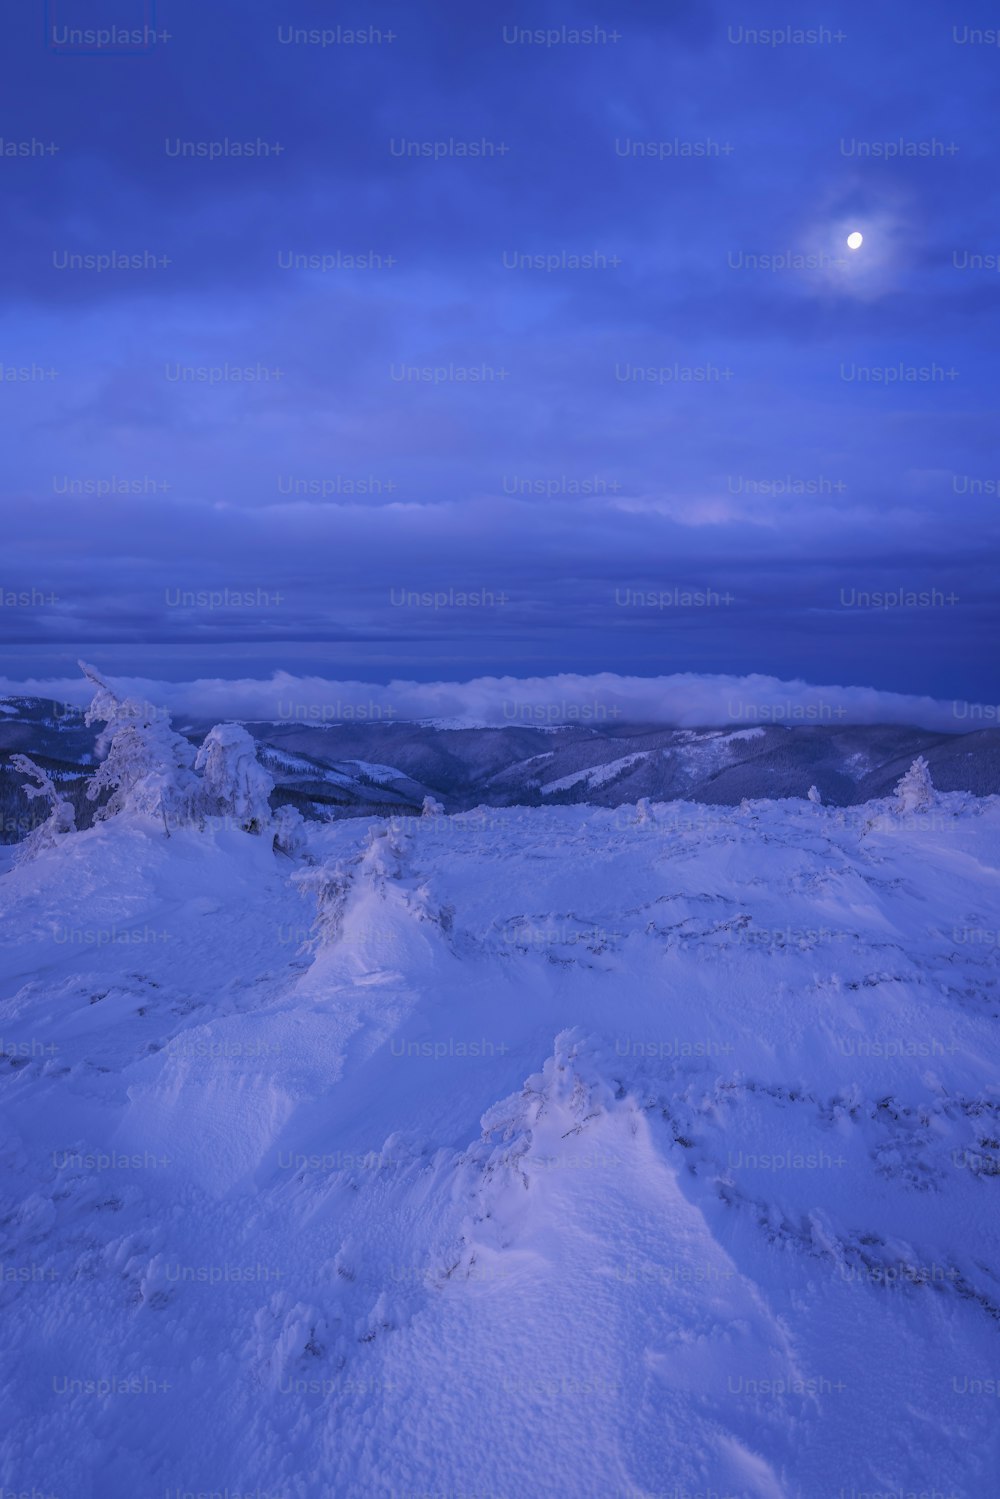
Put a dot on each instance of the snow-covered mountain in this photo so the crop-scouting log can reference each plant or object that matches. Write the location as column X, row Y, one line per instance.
column 355, row 769
column 609, row 766
column 563, row 1150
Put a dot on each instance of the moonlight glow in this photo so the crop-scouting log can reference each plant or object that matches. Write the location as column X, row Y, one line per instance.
column 855, row 241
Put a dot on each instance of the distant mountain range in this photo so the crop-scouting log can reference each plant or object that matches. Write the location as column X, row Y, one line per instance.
column 364, row 769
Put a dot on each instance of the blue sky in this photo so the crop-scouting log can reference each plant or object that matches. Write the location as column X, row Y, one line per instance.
column 720, row 403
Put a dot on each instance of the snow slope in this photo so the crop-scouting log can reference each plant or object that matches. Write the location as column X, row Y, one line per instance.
column 594, row 775
column 534, row 1151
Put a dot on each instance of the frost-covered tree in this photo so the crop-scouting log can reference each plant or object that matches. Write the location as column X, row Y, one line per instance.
column 915, row 790
column 814, row 796
column 642, row 810
column 431, row 807
column 61, row 818
column 145, row 765
column 234, row 783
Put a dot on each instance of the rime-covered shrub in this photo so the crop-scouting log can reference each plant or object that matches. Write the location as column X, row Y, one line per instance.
column 330, row 885
column 289, row 826
column 61, row 819
column 234, row 783
column 915, row 790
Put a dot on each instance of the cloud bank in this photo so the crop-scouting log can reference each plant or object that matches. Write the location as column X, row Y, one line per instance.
column 683, row 700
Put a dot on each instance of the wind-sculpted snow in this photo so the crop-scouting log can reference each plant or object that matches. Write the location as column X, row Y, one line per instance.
column 568, row 1151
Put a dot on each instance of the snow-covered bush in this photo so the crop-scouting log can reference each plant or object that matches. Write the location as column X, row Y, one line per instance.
column 330, row 884
column 234, row 784
column 61, row 818
column 915, row 790
column 385, row 852
column 642, row 810
column 814, row 796
column 431, row 807
column 145, row 765
column 289, row 831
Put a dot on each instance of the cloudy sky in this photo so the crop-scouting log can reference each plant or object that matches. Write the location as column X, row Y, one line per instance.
column 559, row 360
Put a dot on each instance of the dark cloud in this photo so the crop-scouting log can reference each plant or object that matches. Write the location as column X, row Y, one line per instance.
column 558, row 469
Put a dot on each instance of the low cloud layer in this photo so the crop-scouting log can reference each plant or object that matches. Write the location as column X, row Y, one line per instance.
column 684, row 700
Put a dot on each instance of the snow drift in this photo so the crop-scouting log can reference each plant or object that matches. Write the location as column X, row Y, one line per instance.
column 610, row 1152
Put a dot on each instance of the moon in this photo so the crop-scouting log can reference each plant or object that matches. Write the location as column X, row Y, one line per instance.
column 855, row 241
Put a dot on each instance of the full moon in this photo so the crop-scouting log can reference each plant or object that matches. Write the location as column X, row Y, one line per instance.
column 855, row 241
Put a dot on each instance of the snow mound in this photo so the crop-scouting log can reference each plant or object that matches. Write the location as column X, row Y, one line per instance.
column 557, row 1150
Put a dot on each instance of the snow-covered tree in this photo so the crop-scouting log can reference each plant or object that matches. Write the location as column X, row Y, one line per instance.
column 642, row 810
column 915, row 790
column 61, row 818
column 814, row 796
column 234, row 783
column 144, row 763
column 431, row 807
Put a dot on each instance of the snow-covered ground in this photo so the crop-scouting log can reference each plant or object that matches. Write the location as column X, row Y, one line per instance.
column 551, row 1152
